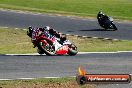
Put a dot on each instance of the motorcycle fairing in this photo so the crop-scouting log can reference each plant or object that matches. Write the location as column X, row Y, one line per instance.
column 62, row 50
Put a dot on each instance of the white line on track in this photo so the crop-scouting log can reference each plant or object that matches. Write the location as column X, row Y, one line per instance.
column 4, row 27
column 22, row 54
column 51, row 77
column 28, row 54
column 105, row 52
column 32, row 78
column 5, row 79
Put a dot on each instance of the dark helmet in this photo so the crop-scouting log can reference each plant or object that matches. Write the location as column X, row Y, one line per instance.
column 47, row 28
column 41, row 29
column 52, row 31
column 29, row 32
column 101, row 13
column 30, row 27
column 63, row 37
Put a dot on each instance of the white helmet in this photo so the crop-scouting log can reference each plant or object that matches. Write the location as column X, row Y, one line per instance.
column 46, row 28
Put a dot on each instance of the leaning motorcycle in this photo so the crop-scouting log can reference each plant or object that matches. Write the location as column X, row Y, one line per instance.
column 50, row 45
column 106, row 22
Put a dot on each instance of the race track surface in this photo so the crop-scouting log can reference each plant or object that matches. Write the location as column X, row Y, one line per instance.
column 13, row 67
column 87, row 27
column 60, row 66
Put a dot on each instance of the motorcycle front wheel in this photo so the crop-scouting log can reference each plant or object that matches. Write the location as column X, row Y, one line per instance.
column 47, row 49
column 40, row 51
column 72, row 50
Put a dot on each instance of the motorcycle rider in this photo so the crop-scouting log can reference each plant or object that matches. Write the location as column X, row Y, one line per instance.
column 53, row 32
column 103, row 19
column 47, row 31
column 29, row 32
column 33, row 33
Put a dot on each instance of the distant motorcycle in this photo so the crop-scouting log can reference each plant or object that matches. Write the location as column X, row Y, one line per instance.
column 106, row 21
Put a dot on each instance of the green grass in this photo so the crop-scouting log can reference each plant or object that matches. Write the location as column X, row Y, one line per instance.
column 100, row 45
column 120, row 9
column 16, row 41
column 67, row 82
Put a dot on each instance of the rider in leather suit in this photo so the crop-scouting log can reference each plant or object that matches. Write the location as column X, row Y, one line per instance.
column 103, row 19
column 33, row 32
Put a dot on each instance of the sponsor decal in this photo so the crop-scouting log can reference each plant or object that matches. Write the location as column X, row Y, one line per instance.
column 83, row 78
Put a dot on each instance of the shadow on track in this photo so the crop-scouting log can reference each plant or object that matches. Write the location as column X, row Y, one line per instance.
column 70, row 31
column 95, row 30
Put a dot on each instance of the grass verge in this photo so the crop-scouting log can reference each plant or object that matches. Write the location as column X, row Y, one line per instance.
column 16, row 41
column 120, row 9
column 101, row 45
column 67, row 82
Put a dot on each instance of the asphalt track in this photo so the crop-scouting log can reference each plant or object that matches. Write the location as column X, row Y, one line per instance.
column 70, row 25
column 19, row 66
column 22, row 66
column 13, row 67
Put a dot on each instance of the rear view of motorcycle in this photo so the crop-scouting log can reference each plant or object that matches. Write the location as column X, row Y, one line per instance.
column 106, row 22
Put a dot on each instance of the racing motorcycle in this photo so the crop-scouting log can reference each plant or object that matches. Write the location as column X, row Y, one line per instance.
column 106, row 21
column 50, row 45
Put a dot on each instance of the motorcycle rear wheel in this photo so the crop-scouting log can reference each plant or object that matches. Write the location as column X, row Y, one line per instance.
column 114, row 27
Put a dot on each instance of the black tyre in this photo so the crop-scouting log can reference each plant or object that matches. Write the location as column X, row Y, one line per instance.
column 72, row 50
column 40, row 51
column 47, row 49
column 81, row 80
column 106, row 29
column 114, row 27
